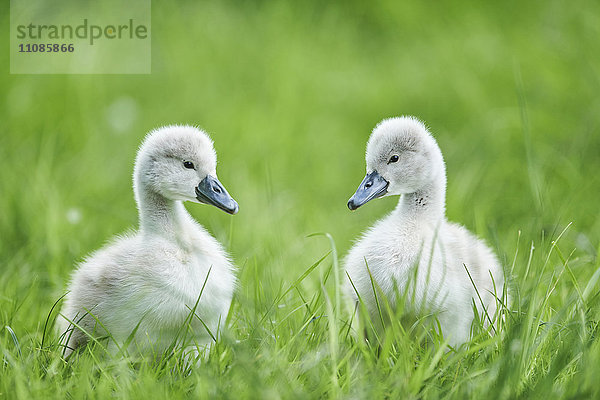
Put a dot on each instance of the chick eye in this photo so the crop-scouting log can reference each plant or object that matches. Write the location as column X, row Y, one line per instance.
column 188, row 164
column 393, row 158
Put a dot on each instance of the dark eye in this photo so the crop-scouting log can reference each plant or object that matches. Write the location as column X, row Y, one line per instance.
column 188, row 164
column 393, row 158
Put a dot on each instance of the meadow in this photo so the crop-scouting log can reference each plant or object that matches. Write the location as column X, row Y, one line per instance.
column 289, row 93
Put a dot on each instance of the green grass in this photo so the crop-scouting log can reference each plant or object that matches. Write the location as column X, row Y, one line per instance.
column 290, row 94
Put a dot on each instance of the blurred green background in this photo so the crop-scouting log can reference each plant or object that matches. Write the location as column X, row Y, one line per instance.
column 290, row 91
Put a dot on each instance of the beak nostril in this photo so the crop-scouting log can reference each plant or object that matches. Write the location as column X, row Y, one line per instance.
column 368, row 184
column 216, row 189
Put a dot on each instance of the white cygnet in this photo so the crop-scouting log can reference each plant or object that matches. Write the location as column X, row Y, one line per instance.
column 415, row 252
column 148, row 282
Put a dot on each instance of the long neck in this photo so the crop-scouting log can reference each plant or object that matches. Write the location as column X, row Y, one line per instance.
column 428, row 203
column 158, row 214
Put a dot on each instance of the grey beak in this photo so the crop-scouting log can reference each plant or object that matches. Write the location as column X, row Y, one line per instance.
column 370, row 188
column 211, row 191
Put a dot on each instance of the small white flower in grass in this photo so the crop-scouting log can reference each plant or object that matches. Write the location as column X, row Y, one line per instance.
column 73, row 215
column 516, row 346
column 122, row 113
